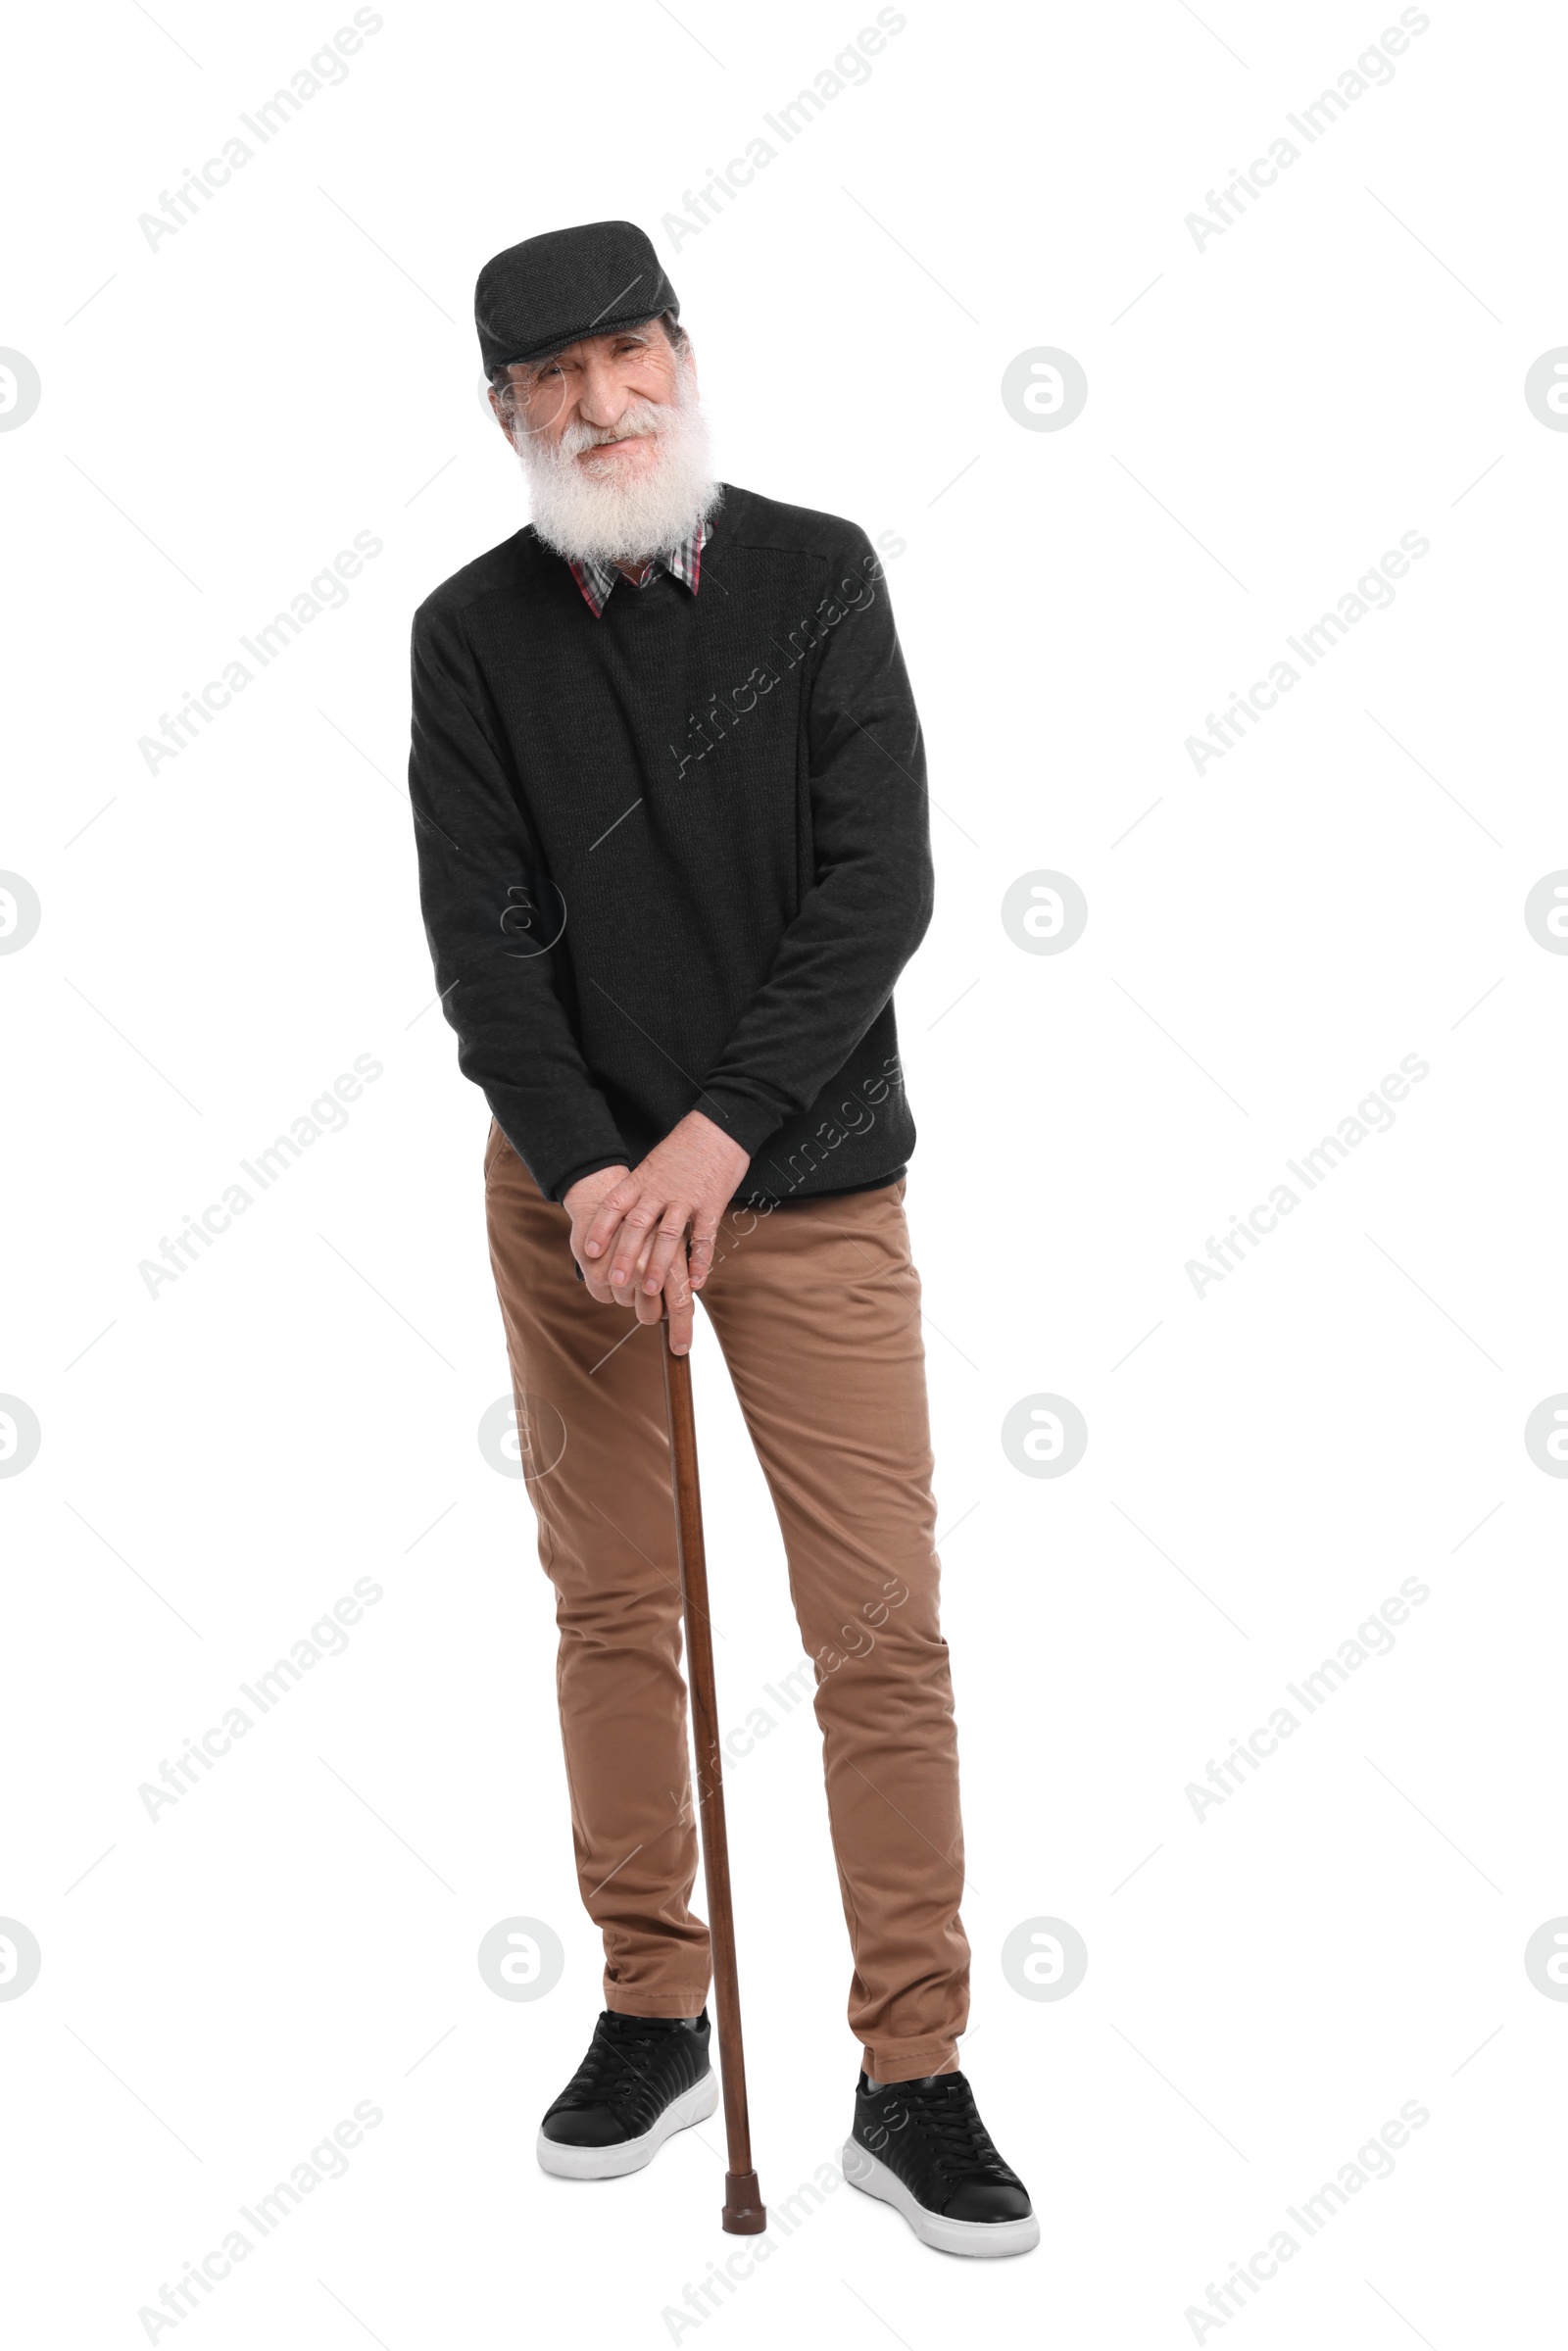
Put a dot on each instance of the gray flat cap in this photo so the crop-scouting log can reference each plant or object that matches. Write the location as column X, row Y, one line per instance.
column 551, row 290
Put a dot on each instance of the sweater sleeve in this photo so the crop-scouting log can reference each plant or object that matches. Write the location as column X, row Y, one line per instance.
column 493, row 917
column 871, row 901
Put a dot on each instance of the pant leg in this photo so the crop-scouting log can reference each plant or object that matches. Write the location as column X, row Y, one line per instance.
column 816, row 1307
column 588, row 1383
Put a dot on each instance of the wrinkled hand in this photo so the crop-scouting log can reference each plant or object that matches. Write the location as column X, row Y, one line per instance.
column 637, row 1235
column 580, row 1201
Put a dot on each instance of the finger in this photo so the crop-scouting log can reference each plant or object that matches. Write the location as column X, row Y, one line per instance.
column 608, row 1215
column 661, row 1256
column 648, row 1309
column 631, row 1293
column 626, row 1291
column 599, row 1265
column 678, row 1299
column 635, row 1227
column 705, row 1232
column 650, row 1303
column 594, row 1277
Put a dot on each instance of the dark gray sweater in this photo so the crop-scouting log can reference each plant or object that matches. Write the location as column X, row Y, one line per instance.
column 676, row 856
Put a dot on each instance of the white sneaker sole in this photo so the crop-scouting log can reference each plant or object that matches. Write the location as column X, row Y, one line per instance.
column 694, row 2105
column 986, row 2240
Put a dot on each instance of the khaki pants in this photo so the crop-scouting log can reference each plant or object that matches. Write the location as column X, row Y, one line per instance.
column 818, row 1309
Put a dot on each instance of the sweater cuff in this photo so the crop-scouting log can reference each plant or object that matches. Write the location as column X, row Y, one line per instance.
column 744, row 1119
column 574, row 1175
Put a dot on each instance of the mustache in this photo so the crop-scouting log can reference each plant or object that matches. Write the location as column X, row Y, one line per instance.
column 644, row 422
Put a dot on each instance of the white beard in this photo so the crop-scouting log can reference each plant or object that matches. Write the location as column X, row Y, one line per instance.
column 605, row 520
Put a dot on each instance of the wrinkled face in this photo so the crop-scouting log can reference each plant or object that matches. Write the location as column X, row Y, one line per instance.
column 590, row 401
column 612, row 443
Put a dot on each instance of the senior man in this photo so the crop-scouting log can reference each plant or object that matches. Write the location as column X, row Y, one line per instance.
column 668, row 787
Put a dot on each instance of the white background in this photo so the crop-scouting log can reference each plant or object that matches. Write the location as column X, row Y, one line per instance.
column 218, row 940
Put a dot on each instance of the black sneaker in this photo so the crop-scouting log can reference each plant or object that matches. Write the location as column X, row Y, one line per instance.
column 644, row 2078
column 922, row 2148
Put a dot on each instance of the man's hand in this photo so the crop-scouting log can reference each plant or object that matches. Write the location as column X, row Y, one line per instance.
column 580, row 1201
column 637, row 1234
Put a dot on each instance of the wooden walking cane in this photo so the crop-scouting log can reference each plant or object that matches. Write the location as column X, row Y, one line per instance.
column 743, row 2213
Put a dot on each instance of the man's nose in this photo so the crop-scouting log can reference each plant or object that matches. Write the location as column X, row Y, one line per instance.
column 603, row 400
column 602, row 417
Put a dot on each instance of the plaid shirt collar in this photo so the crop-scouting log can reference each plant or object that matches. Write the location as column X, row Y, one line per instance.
column 683, row 562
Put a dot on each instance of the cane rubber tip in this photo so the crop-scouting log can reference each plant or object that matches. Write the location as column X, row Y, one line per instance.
column 743, row 2213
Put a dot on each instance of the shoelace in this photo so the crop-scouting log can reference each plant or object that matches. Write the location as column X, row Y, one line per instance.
column 618, row 2062
column 949, row 2124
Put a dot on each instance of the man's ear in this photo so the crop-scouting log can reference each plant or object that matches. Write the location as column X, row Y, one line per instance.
column 499, row 412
